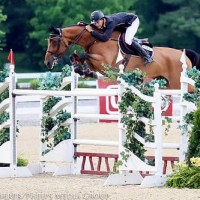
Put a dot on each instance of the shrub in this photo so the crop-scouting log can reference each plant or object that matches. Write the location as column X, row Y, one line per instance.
column 186, row 175
column 22, row 162
column 194, row 140
column 34, row 84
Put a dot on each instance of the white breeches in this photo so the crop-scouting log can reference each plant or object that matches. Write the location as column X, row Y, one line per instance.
column 131, row 31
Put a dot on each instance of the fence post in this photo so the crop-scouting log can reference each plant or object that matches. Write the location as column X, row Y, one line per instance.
column 12, row 116
column 158, row 130
column 183, row 111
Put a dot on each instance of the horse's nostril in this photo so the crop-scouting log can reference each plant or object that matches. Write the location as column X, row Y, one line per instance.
column 49, row 65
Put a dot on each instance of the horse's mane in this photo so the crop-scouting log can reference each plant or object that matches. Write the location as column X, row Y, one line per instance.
column 58, row 31
column 83, row 24
column 80, row 23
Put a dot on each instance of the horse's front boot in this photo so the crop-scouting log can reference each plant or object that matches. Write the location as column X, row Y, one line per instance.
column 78, row 70
column 91, row 74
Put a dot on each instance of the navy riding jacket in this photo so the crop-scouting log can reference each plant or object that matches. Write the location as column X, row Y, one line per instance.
column 116, row 21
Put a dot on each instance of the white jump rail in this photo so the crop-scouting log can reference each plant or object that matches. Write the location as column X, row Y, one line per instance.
column 78, row 92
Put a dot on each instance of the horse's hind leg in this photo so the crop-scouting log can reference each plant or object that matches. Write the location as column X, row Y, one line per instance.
column 177, row 85
column 174, row 82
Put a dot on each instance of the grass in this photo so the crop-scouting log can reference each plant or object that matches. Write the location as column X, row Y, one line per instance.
column 25, row 80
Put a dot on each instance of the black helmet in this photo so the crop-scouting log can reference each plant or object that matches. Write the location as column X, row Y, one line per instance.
column 96, row 16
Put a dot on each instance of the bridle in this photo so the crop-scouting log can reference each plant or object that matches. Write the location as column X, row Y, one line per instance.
column 55, row 55
column 58, row 45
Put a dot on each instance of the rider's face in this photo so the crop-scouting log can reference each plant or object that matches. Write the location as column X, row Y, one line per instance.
column 99, row 24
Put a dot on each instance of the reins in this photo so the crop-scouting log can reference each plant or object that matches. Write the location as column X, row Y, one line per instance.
column 78, row 37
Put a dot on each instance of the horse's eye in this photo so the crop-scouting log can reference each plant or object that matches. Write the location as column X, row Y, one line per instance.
column 54, row 42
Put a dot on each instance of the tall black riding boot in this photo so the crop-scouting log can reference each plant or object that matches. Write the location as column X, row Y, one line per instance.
column 147, row 58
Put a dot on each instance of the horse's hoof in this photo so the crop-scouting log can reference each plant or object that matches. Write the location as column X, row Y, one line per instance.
column 95, row 75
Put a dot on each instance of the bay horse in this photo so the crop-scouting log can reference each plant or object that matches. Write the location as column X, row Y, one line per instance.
column 166, row 60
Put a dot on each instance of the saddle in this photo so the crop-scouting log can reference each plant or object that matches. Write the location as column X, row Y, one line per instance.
column 128, row 49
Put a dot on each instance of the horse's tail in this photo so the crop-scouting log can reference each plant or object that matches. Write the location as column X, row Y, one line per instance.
column 194, row 58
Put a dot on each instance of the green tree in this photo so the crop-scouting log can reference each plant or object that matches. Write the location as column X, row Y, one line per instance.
column 17, row 28
column 148, row 12
column 182, row 23
column 2, row 32
column 17, row 25
column 170, row 23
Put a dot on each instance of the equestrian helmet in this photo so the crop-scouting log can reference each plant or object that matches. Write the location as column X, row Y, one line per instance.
column 96, row 16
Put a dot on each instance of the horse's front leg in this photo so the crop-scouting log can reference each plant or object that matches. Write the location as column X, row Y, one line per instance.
column 75, row 62
column 87, row 72
column 81, row 66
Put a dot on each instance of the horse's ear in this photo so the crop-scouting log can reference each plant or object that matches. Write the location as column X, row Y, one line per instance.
column 52, row 28
column 55, row 31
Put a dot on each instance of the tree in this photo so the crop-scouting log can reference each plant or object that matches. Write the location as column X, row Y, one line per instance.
column 17, row 28
column 182, row 24
column 2, row 33
column 17, row 25
column 170, row 23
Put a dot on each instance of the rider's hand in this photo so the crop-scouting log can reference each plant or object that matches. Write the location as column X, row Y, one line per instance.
column 89, row 28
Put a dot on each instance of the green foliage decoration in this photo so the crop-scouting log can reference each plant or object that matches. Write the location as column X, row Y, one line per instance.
column 192, row 97
column 194, row 74
column 4, row 74
column 50, row 103
column 133, row 109
column 111, row 72
column 4, row 95
column 49, row 82
column 4, row 132
column 62, row 133
column 62, row 116
column 52, row 81
column 4, row 117
column 47, row 123
column 4, row 135
column 66, row 71
column 195, row 96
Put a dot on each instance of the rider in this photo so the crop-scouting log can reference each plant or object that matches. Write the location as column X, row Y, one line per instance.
column 119, row 20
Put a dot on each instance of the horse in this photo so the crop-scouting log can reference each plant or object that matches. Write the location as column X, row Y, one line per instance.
column 98, row 54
